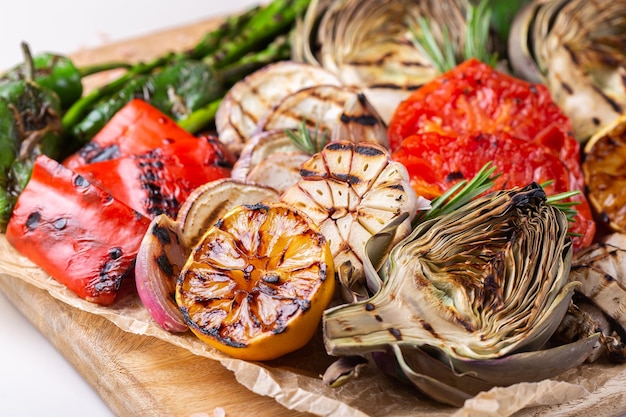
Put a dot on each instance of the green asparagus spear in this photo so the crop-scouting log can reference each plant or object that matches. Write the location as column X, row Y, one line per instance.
column 271, row 21
column 212, row 40
column 241, row 45
column 200, row 118
column 278, row 50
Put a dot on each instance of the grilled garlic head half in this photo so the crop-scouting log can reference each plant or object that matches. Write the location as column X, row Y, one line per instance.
column 352, row 191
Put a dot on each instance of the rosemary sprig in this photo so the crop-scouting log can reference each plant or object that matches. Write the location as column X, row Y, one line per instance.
column 461, row 193
column 307, row 143
column 425, row 41
column 556, row 200
column 477, row 34
column 465, row 191
column 444, row 56
column 566, row 207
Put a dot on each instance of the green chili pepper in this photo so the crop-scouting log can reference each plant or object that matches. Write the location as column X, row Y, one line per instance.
column 59, row 74
column 177, row 90
column 103, row 109
column 30, row 124
column 79, row 110
column 36, row 112
column 9, row 141
column 52, row 71
column 183, row 87
column 187, row 90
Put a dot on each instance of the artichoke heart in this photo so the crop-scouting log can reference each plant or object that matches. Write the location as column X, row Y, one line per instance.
column 485, row 281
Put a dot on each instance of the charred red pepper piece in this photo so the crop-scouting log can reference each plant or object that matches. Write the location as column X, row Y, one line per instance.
column 148, row 162
column 76, row 232
column 157, row 181
column 139, row 127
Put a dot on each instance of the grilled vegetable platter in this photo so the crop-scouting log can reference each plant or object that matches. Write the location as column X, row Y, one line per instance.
column 359, row 207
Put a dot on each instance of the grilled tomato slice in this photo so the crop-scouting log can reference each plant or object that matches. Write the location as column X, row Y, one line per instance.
column 257, row 283
column 436, row 162
column 475, row 98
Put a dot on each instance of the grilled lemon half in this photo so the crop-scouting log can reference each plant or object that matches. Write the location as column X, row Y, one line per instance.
column 257, row 283
column 604, row 169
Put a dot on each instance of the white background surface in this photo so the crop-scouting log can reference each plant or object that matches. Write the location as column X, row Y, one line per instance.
column 66, row 26
column 35, row 380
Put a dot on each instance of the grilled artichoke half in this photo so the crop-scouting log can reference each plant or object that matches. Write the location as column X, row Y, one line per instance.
column 368, row 43
column 578, row 49
column 467, row 299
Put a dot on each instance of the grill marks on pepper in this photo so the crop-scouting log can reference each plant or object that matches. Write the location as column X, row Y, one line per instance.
column 156, row 203
column 110, row 274
column 80, row 181
column 33, row 220
column 93, row 152
column 60, row 224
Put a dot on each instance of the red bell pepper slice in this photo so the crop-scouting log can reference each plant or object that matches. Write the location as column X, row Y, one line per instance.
column 139, row 127
column 157, row 181
column 76, row 232
column 144, row 159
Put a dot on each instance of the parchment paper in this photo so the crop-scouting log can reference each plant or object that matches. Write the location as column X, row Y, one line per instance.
column 294, row 381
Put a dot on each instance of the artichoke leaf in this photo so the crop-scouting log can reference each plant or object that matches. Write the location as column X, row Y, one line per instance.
column 529, row 366
column 376, row 250
column 453, row 384
column 367, row 44
column 576, row 48
column 482, row 282
column 434, row 387
column 343, row 369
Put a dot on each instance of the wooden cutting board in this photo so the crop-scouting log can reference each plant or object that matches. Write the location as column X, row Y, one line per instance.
column 137, row 375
